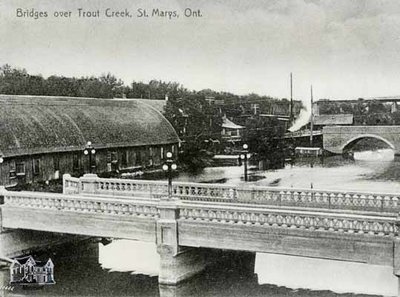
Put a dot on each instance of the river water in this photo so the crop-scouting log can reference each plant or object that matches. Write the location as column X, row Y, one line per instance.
column 129, row 268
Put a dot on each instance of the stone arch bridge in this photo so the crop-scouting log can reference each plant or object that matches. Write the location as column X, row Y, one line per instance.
column 336, row 139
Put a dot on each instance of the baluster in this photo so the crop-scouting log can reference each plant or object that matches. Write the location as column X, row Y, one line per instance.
column 309, row 223
column 340, row 199
column 279, row 197
column 313, row 199
column 302, row 198
column 57, row 204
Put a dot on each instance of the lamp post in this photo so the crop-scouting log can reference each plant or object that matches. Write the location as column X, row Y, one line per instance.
column 89, row 151
column 1, row 174
column 244, row 158
column 168, row 167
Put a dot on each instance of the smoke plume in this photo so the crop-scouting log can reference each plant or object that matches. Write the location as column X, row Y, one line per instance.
column 303, row 119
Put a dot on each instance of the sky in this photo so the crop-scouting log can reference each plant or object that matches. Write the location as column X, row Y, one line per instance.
column 346, row 49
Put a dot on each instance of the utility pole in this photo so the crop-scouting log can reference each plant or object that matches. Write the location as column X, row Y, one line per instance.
column 291, row 100
column 312, row 119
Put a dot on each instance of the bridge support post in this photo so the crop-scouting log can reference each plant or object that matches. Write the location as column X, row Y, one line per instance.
column 88, row 183
column 176, row 268
column 177, row 263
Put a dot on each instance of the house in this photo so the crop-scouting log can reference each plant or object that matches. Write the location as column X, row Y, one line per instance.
column 44, row 137
column 231, row 132
column 27, row 271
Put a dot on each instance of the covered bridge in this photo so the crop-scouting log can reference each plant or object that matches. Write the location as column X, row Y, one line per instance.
column 42, row 138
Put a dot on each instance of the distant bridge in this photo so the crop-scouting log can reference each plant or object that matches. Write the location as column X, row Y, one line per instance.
column 338, row 225
column 336, row 139
column 302, row 133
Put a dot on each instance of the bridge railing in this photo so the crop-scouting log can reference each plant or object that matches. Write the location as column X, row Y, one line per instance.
column 312, row 198
column 71, row 185
column 79, row 203
column 384, row 225
column 342, row 221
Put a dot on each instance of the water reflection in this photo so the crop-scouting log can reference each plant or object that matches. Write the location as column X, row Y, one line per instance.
column 80, row 275
column 334, row 173
column 83, row 277
column 139, row 257
column 375, row 156
column 272, row 271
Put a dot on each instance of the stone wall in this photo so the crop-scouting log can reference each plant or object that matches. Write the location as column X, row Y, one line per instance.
column 337, row 138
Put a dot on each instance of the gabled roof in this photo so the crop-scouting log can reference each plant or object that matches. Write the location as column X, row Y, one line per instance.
column 43, row 264
column 23, row 260
column 41, row 124
column 226, row 123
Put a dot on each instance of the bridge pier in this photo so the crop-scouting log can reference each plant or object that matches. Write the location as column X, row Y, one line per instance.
column 189, row 262
column 179, row 263
column 179, row 267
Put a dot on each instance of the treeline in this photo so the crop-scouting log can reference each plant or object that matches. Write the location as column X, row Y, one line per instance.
column 365, row 112
column 15, row 81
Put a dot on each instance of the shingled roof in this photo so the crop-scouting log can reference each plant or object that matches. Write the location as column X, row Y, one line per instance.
column 157, row 104
column 40, row 124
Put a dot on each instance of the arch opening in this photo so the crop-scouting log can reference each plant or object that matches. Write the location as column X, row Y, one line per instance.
column 366, row 143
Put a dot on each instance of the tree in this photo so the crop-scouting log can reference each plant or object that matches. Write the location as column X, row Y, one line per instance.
column 197, row 123
column 111, row 87
column 264, row 140
column 13, row 81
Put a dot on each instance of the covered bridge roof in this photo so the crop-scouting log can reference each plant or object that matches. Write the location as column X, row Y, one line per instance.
column 41, row 124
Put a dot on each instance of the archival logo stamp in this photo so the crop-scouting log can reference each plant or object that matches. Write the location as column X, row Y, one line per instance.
column 27, row 271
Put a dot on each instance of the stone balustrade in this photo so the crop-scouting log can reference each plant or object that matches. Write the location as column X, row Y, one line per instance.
column 73, row 203
column 227, row 213
column 310, row 198
column 219, row 217
column 293, row 219
column 71, row 185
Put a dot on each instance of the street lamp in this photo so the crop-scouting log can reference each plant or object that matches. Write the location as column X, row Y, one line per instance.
column 89, row 151
column 168, row 167
column 1, row 167
column 244, row 158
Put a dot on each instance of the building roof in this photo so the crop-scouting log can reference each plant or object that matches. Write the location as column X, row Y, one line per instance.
column 40, row 124
column 226, row 123
column 333, row 119
column 23, row 260
column 157, row 104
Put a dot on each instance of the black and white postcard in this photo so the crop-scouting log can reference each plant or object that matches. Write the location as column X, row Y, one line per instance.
column 199, row 148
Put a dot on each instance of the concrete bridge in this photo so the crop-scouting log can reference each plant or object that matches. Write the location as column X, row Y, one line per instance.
column 202, row 218
column 336, row 139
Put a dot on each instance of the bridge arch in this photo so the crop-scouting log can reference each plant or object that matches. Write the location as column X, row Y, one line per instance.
column 361, row 136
